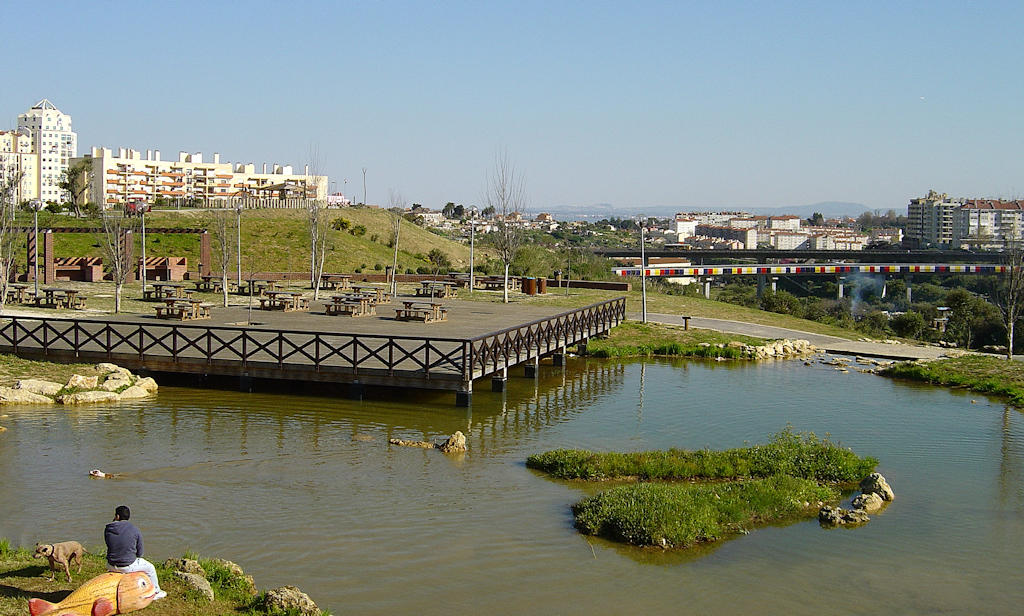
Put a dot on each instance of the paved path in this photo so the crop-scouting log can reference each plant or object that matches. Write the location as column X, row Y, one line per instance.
column 832, row 344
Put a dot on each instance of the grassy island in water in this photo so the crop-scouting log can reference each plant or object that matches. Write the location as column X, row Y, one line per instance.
column 738, row 489
column 636, row 339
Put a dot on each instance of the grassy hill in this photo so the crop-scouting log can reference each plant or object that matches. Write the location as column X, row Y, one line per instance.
column 275, row 240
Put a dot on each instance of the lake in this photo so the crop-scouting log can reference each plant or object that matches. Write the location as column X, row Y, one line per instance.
column 306, row 490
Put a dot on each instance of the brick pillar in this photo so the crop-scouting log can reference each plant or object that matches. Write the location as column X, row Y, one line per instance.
column 49, row 260
column 30, row 257
column 205, row 254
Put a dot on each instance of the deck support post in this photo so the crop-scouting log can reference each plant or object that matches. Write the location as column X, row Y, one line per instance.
column 532, row 367
column 245, row 384
column 464, row 396
column 581, row 347
column 558, row 357
column 356, row 391
column 499, row 380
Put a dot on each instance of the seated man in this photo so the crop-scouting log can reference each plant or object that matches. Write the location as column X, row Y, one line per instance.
column 124, row 548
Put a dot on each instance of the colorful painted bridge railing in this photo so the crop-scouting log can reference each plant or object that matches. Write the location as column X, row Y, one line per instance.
column 811, row 270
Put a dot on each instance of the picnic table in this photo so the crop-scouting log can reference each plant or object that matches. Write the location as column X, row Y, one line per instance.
column 16, row 292
column 418, row 310
column 340, row 282
column 259, row 287
column 54, row 297
column 496, row 283
column 380, row 294
column 437, row 288
column 352, row 304
column 287, row 301
column 209, row 283
column 460, row 278
column 183, row 309
column 166, row 290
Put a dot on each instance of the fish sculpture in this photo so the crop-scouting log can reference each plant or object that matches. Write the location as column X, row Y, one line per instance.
column 103, row 595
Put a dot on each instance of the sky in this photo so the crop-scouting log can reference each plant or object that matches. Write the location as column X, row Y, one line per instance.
column 635, row 104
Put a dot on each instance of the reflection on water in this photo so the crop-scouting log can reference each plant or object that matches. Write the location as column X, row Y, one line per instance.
column 306, row 490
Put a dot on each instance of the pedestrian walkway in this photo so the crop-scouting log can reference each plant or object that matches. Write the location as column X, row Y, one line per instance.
column 832, row 344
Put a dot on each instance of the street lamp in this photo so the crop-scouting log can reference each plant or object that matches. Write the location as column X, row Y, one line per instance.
column 36, row 205
column 141, row 209
column 643, row 274
column 472, row 243
column 239, row 206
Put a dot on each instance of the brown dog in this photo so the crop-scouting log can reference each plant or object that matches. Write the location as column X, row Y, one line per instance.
column 60, row 553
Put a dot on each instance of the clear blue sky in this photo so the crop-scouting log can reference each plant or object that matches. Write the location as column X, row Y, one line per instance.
column 713, row 104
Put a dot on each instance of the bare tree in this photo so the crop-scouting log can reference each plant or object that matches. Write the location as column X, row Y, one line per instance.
column 1008, row 294
column 8, row 189
column 118, row 248
column 506, row 194
column 318, row 227
column 396, row 204
column 221, row 226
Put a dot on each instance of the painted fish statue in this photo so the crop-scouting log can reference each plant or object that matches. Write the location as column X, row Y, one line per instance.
column 103, row 595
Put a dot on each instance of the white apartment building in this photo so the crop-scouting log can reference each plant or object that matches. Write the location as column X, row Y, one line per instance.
column 55, row 144
column 987, row 224
column 18, row 156
column 127, row 175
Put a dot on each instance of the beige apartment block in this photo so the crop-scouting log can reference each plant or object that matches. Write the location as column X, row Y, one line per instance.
column 18, row 156
column 55, row 145
column 116, row 178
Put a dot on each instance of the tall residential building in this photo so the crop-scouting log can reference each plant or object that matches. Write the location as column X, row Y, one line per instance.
column 986, row 224
column 930, row 219
column 18, row 156
column 55, row 144
column 127, row 175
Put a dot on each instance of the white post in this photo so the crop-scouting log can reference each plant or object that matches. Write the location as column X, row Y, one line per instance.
column 35, row 245
column 143, row 208
column 472, row 242
column 643, row 275
column 238, row 246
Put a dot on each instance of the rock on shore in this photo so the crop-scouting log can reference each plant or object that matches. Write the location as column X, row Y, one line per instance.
column 111, row 384
column 875, row 493
column 779, row 349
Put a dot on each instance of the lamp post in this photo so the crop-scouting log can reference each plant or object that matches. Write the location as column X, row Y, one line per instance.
column 239, row 206
column 36, row 205
column 472, row 245
column 643, row 274
column 142, row 208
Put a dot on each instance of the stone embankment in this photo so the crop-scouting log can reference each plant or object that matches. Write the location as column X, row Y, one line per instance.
column 875, row 493
column 866, row 365
column 111, row 383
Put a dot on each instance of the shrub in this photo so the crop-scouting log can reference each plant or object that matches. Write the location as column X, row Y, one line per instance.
column 681, row 515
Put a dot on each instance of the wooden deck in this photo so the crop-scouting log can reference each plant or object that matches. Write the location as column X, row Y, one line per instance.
column 477, row 341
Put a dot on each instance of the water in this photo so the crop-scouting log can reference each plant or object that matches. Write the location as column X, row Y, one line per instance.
column 306, row 491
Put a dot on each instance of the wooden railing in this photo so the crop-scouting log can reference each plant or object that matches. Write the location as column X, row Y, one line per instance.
column 298, row 354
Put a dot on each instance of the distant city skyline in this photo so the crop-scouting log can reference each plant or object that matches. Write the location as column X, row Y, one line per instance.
column 686, row 105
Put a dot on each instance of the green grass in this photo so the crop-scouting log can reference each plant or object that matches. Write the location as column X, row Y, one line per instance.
column 273, row 240
column 22, row 577
column 13, row 368
column 637, row 339
column 801, row 455
column 989, row 375
column 683, row 515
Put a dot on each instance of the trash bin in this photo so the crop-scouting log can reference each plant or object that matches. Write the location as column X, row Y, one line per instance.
column 542, row 285
column 530, row 286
